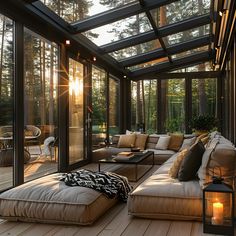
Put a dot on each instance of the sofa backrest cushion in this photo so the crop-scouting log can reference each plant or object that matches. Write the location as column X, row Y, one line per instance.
column 126, row 140
column 187, row 143
column 218, row 160
column 163, row 143
column 191, row 162
column 140, row 141
column 174, row 170
column 176, row 141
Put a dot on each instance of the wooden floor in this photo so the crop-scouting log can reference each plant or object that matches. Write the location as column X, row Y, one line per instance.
column 115, row 222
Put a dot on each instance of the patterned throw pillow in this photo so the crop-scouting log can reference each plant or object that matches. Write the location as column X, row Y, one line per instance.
column 174, row 170
column 126, row 140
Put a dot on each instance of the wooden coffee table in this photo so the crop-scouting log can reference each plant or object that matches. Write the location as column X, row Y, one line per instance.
column 138, row 159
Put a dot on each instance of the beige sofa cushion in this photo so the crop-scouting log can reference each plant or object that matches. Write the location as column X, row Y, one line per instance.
column 140, row 141
column 176, row 141
column 126, row 140
column 187, row 143
column 165, row 198
column 49, row 200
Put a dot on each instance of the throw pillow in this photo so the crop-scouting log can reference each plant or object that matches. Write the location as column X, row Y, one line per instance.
column 174, row 170
column 176, row 141
column 126, row 140
column 140, row 141
column 192, row 162
column 187, row 143
column 163, row 143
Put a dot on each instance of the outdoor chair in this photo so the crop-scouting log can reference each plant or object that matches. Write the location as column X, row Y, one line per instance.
column 32, row 134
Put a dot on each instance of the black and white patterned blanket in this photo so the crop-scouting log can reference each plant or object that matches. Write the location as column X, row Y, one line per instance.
column 110, row 184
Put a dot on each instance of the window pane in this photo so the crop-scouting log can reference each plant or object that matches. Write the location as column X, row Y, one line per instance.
column 114, row 106
column 119, row 30
column 180, row 10
column 136, row 50
column 150, row 94
column 189, row 52
column 76, row 111
column 133, row 104
column 75, row 10
column 40, row 105
column 6, row 102
column 204, row 97
column 173, row 104
column 99, row 107
column 148, row 64
column 200, row 67
column 187, row 35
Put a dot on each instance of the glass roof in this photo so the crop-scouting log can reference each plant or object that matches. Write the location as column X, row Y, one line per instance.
column 190, row 52
column 195, row 68
column 74, row 10
column 115, row 26
column 187, row 35
column 148, row 64
column 179, row 10
column 136, row 50
column 119, row 30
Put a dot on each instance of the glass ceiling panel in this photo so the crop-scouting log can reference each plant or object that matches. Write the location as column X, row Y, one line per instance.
column 189, row 52
column 136, row 50
column 148, row 64
column 75, row 10
column 179, row 10
column 120, row 29
column 199, row 67
column 187, row 35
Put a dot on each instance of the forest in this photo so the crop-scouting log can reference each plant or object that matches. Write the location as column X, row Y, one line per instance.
column 41, row 68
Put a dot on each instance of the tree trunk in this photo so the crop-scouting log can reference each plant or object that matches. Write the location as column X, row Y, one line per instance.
column 51, row 100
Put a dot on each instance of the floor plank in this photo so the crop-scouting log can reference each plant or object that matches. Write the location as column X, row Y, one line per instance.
column 136, row 227
column 37, row 230
column 158, row 228
column 180, row 228
column 118, row 224
column 101, row 223
column 67, row 231
column 197, row 230
column 17, row 229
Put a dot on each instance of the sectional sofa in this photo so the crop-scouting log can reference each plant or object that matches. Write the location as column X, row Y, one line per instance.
column 163, row 197
column 160, row 155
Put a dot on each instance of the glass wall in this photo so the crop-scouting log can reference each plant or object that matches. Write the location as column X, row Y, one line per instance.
column 204, row 97
column 114, row 105
column 76, row 111
column 40, row 105
column 99, row 106
column 6, row 102
column 173, row 103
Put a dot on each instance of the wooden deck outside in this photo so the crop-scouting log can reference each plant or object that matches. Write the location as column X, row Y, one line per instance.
column 115, row 222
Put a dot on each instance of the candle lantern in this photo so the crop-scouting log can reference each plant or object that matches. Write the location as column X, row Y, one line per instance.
column 218, row 208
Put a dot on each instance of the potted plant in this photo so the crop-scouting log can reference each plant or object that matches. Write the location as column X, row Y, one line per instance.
column 203, row 123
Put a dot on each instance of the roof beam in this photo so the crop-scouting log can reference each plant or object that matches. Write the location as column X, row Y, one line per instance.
column 162, row 32
column 117, row 14
column 158, row 53
column 178, row 63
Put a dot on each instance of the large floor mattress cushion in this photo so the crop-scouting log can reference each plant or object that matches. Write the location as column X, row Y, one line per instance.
column 49, row 200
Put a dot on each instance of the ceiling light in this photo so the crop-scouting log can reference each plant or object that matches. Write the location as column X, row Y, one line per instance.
column 125, row 76
column 67, row 42
column 94, row 58
column 220, row 13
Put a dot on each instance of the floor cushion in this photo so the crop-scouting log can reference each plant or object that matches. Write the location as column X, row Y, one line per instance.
column 49, row 200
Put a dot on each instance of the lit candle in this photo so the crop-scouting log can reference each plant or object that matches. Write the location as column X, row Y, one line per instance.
column 217, row 218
